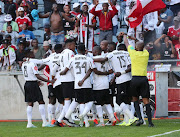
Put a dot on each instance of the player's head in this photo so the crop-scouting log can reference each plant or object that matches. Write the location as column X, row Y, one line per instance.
column 81, row 48
column 30, row 54
column 122, row 47
column 70, row 44
column 55, row 7
column 139, row 46
column 58, row 48
column 104, row 45
column 8, row 37
column 5, row 43
column 96, row 51
column 105, row 7
column 111, row 46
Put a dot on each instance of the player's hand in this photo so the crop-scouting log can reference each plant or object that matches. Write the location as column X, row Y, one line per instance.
column 121, row 34
column 97, row 2
column 112, row 80
column 163, row 35
column 79, row 18
column 40, row 83
column 117, row 74
column 52, row 81
column 80, row 83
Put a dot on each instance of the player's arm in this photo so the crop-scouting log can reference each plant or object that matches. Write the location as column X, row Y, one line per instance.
column 80, row 83
column 64, row 71
column 100, row 72
column 67, row 18
column 125, row 39
column 45, row 80
column 41, row 67
column 44, row 15
column 100, row 59
column 117, row 74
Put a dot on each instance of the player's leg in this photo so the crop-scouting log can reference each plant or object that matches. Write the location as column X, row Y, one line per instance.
column 29, row 115
column 94, row 112
column 59, row 108
column 142, row 113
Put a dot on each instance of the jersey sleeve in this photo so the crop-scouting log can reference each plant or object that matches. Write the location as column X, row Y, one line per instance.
column 35, row 69
column 70, row 63
column 109, row 56
column 36, row 61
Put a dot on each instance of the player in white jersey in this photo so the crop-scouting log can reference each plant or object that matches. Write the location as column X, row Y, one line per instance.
column 32, row 91
column 67, row 81
column 120, row 61
column 101, row 88
column 82, row 66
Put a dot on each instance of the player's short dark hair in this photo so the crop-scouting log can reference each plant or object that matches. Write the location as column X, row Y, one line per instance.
column 112, row 44
column 58, row 47
column 69, row 41
column 81, row 47
column 122, row 47
column 98, row 48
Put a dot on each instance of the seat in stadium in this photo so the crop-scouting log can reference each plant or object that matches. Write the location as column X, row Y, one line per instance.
column 39, row 34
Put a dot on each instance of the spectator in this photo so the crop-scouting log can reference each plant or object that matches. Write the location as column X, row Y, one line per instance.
column 27, row 12
column 159, row 30
column 38, row 51
column 8, row 37
column 55, row 17
column 115, row 19
column 167, row 48
column 2, row 16
column 175, row 6
column 174, row 31
column 47, row 34
column 67, row 25
column 61, row 4
column 8, row 19
column 14, row 35
column 150, row 33
column 166, row 16
column 10, row 8
column 105, row 20
column 21, row 52
column 177, row 48
column 86, row 23
column 21, row 19
column 7, row 56
column 33, row 4
column 25, row 33
column 76, row 9
column 46, row 47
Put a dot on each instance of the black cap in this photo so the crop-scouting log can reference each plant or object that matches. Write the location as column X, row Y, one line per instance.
column 5, row 41
column 47, row 26
column 22, row 41
column 7, row 36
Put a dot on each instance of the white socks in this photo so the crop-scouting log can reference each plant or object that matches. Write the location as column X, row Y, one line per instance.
column 43, row 113
column 100, row 113
column 141, row 109
column 94, row 111
column 61, row 115
column 81, row 108
column 71, row 109
column 29, row 114
column 87, row 108
column 49, row 112
column 132, row 108
column 66, row 105
column 110, row 111
column 52, row 108
column 58, row 108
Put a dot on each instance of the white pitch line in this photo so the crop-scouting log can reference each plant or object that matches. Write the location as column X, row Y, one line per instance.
column 166, row 133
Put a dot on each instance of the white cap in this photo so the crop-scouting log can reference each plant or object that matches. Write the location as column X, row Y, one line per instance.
column 75, row 5
column 85, row 3
column 20, row 9
column 8, row 17
column 45, row 43
column 151, row 26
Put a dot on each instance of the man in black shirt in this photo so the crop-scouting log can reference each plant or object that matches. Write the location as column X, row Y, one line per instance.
column 47, row 34
column 10, row 8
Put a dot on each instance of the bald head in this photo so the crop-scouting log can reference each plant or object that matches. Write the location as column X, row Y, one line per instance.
column 139, row 46
column 104, row 45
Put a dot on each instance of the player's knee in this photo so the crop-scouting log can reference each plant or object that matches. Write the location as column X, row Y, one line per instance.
column 41, row 102
column 30, row 104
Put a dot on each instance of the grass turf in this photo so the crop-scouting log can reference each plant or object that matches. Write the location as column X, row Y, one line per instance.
column 18, row 129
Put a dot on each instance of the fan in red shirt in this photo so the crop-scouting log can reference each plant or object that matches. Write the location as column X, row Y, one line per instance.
column 76, row 9
column 22, row 19
column 174, row 31
column 177, row 48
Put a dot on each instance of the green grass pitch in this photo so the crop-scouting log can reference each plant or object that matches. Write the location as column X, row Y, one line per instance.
column 18, row 129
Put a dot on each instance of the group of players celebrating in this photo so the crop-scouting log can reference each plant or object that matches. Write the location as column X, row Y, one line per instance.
column 78, row 77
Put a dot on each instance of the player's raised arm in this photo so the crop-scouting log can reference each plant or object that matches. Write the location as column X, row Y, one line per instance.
column 125, row 40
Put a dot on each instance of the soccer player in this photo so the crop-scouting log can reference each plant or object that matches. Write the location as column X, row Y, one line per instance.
column 67, row 80
column 82, row 67
column 101, row 88
column 120, row 62
column 33, row 92
column 139, row 83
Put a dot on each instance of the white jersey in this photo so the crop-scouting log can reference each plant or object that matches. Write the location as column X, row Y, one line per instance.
column 56, row 70
column 81, row 64
column 29, row 70
column 101, row 82
column 120, row 61
column 66, row 55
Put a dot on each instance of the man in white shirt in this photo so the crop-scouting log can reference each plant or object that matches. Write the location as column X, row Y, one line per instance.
column 115, row 19
column 32, row 90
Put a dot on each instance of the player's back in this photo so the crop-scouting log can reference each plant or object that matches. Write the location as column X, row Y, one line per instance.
column 101, row 81
column 81, row 64
column 66, row 55
column 29, row 70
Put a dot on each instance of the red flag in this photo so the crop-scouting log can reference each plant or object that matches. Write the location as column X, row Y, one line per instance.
column 142, row 8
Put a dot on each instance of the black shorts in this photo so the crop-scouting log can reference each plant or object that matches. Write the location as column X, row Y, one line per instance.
column 32, row 92
column 58, row 93
column 140, row 87
column 102, row 97
column 84, row 95
column 112, row 89
column 50, row 91
column 123, row 93
column 68, row 89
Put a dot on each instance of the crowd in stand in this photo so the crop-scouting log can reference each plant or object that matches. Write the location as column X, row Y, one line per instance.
column 160, row 30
